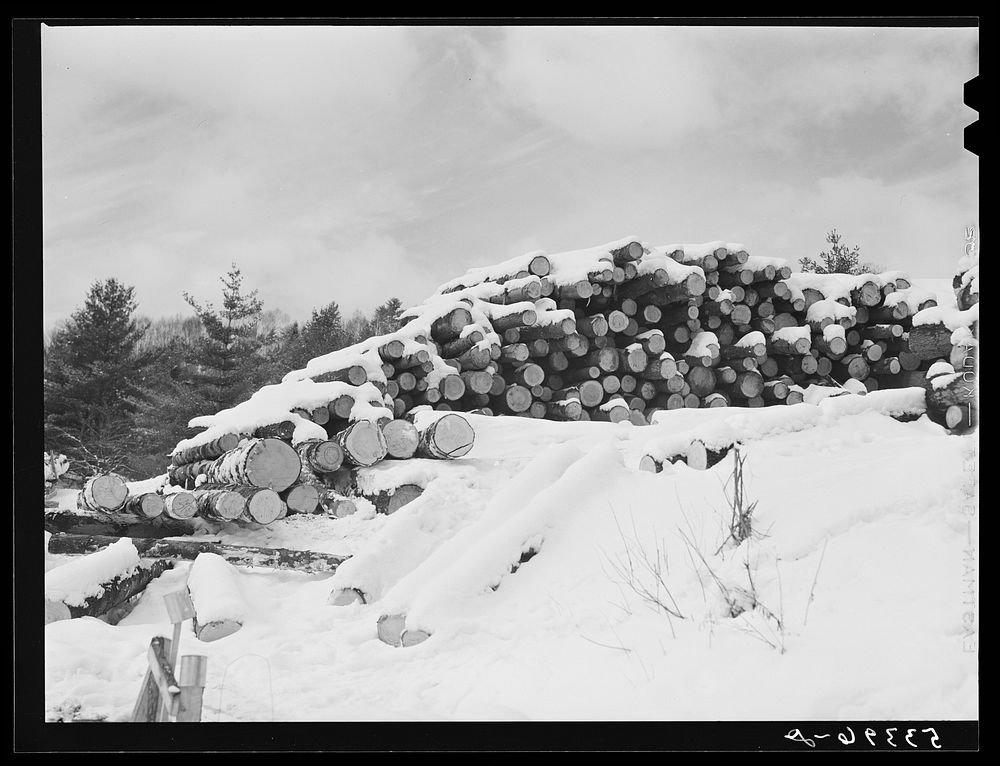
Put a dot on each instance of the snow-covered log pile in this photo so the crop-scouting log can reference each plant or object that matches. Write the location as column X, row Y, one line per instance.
column 615, row 332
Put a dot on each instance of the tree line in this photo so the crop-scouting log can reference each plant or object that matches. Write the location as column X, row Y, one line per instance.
column 119, row 389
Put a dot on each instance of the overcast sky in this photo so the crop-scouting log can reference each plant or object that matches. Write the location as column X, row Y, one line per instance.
column 359, row 163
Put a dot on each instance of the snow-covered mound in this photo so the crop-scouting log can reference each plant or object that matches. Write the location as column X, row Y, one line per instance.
column 557, row 581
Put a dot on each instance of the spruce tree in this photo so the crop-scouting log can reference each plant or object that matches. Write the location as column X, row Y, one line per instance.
column 231, row 355
column 93, row 371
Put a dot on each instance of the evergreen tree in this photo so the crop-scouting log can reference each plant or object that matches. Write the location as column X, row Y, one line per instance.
column 231, row 356
column 386, row 317
column 840, row 259
column 92, row 372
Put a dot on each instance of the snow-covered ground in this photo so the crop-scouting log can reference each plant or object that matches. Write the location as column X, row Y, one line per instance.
column 854, row 590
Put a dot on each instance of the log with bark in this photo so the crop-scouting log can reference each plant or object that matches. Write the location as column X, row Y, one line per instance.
column 106, row 492
column 209, row 451
column 301, row 498
column 267, row 463
column 362, row 442
column 239, row 555
column 113, row 599
column 448, row 437
column 401, row 437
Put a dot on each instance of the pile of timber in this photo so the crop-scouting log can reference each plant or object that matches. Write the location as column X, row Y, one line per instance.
column 612, row 333
column 264, row 475
column 643, row 329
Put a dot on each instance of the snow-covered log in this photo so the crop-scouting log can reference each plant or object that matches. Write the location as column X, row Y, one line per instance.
column 218, row 601
column 239, row 555
column 98, row 582
column 401, row 437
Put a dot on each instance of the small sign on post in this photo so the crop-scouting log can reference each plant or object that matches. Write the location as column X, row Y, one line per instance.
column 163, row 696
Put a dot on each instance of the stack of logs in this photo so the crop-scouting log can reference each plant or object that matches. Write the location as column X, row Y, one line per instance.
column 738, row 330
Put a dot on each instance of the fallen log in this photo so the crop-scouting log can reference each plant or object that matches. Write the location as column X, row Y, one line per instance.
column 101, row 584
column 120, row 524
column 239, row 555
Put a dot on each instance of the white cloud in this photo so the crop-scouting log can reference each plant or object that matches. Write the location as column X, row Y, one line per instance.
column 610, row 86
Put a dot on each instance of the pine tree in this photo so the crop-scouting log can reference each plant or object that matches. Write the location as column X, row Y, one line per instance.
column 840, row 259
column 93, row 371
column 231, row 355
column 386, row 317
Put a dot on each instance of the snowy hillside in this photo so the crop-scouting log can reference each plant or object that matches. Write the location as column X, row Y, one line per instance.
column 847, row 603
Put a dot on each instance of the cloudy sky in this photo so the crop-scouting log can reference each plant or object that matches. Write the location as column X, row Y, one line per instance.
column 358, row 163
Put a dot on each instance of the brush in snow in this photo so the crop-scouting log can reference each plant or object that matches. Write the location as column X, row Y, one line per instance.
column 239, row 555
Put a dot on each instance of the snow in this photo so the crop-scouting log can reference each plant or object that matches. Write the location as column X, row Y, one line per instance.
column 943, row 381
column 912, row 296
column 676, row 272
column 830, row 308
column 939, row 368
column 273, row 404
column 215, row 589
column 154, row 485
column 833, row 331
column 949, row 316
column 882, row 505
column 855, row 386
column 698, row 251
column 758, row 262
column 494, row 273
column 751, row 339
column 612, row 403
column 702, row 344
column 792, row 334
column 832, row 286
column 81, row 579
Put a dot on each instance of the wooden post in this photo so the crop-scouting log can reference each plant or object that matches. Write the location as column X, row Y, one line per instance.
column 191, row 678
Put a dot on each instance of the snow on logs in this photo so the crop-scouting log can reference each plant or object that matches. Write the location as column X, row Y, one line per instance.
column 99, row 584
column 579, row 335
